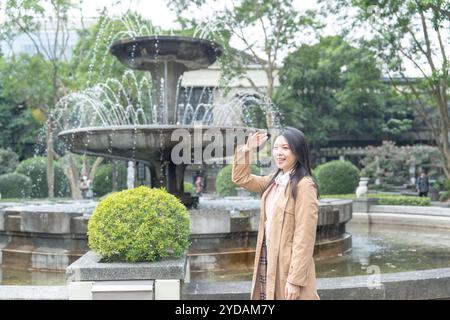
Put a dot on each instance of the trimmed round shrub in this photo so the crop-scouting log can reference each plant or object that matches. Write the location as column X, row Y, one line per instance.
column 36, row 169
column 9, row 160
column 15, row 185
column 337, row 177
column 137, row 225
column 225, row 187
column 188, row 187
column 103, row 179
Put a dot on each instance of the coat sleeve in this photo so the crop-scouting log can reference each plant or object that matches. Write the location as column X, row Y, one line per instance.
column 306, row 215
column 241, row 173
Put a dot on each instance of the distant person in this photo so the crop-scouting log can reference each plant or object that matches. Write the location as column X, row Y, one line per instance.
column 90, row 191
column 422, row 184
column 198, row 186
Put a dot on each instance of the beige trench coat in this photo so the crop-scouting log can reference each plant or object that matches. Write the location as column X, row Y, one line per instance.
column 292, row 233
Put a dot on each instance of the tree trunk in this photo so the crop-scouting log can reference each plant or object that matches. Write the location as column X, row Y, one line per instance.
column 114, row 175
column 96, row 164
column 74, row 179
column 50, row 163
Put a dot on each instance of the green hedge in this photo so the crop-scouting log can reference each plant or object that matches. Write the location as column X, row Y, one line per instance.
column 36, row 169
column 224, row 185
column 337, row 177
column 103, row 179
column 141, row 224
column 15, row 185
column 404, row 201
column 387, row 199
column 9, row 160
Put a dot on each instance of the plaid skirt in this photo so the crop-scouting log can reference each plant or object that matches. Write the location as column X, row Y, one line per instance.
column 263, row 271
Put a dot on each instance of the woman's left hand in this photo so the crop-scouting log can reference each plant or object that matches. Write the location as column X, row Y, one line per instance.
column 291, row 291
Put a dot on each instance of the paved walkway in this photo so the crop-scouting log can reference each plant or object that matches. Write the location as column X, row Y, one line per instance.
column 34, row 293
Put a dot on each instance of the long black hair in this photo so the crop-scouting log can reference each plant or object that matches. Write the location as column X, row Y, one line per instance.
column 302, row 167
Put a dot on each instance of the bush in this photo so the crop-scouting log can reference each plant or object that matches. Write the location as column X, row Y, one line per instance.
column 103, row 179
column 391, row 164
column 444, row 196
column 141, row 224
column 9, row 160
column 337, row 177
column 225, row 187
column 36, row 169
column 189, row 188
column 15, row 185
column 446, row 185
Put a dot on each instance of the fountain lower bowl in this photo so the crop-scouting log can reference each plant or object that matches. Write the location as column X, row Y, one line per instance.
column 147, row 142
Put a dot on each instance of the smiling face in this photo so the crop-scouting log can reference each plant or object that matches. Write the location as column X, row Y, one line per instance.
column 282, row 154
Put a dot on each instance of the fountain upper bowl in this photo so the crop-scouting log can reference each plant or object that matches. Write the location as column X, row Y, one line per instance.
column 144, row 52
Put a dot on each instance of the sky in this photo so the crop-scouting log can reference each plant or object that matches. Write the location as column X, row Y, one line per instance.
column 155, row 10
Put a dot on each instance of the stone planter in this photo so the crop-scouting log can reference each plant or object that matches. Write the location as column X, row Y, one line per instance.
column 90, row 279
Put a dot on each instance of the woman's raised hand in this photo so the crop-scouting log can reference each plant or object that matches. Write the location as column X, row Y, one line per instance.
column 256, row 139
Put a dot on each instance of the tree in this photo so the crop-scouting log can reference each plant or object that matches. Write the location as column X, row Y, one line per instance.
column 46, row 24
column 334, row 88
column 24, row 91
column 413, row 32
column 278, row 23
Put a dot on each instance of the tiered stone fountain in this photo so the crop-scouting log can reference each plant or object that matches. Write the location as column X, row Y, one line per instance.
column 219, row 237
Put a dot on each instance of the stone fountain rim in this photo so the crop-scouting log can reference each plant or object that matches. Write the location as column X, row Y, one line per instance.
column 152, row 127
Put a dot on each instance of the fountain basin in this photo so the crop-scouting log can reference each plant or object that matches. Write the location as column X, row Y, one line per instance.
column 224, row 233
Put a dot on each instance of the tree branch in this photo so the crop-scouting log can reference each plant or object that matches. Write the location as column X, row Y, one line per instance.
column 427, row 42
column 93, row 170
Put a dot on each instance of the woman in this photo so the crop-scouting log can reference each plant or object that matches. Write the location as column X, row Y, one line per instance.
column 284, row 264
